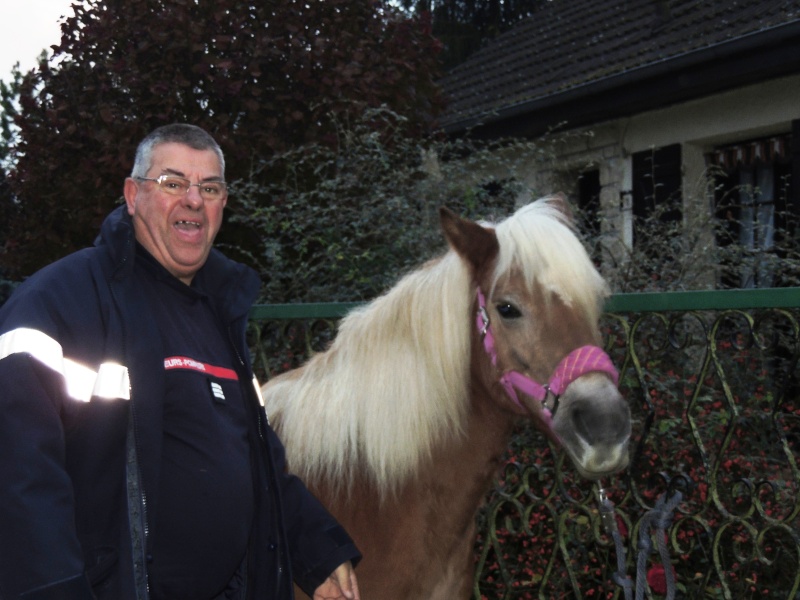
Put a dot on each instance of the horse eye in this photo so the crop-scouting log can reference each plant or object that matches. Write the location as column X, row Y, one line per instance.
column 508, row 311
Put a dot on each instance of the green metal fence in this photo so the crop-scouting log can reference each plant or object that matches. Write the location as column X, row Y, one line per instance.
column 712, row 379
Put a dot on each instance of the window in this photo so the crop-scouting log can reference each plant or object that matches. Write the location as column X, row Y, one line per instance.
column 589, row 202
column 657, row 195
column 657, row 216
column 588, row 214
column 755, row 212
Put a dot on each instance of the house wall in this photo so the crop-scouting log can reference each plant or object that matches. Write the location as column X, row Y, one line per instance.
column 698, row 126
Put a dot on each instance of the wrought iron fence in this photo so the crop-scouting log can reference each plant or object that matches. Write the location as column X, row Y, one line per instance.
column 712, row 379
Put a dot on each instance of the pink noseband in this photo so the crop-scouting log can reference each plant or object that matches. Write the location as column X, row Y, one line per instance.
column 579, row 362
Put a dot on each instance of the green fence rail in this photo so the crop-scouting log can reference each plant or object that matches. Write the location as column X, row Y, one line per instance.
column 712, row 379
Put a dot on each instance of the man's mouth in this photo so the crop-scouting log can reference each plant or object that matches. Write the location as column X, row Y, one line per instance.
column 188, row 224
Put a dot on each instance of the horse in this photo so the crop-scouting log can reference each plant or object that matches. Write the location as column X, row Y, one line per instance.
column 400, row 426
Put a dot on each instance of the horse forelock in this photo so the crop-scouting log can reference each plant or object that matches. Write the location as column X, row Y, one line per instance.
column 540, row 241
column 393, row 384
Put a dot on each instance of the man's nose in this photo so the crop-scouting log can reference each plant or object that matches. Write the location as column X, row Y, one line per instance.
column 193, row 198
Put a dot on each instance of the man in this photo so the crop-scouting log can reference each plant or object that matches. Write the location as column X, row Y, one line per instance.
column 135, row 460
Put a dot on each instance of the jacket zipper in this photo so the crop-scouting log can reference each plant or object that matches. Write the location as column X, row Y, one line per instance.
column 140, row 574
column 244, row 369
column 141, row 580
column 261, row 415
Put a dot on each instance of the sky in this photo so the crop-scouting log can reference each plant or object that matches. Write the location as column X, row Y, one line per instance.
column 27, row 27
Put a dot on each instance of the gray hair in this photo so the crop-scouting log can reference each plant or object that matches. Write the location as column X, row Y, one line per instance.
column 177, row 133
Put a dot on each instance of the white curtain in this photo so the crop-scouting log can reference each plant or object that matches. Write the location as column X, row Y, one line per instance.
column 757, row 225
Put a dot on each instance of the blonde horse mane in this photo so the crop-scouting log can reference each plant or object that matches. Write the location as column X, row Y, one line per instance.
column 394, row 382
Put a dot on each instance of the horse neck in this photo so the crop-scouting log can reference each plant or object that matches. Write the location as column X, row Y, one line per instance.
column 489, row 425
column 467, row 465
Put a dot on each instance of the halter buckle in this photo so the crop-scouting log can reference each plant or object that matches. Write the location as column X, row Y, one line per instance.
column 556, row 398
column 485, row 318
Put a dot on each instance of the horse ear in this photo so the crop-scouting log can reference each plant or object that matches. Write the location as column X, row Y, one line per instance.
column 476, row 244
column 559, row 201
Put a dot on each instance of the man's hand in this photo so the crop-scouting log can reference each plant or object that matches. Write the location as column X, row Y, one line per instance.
column 341, row 585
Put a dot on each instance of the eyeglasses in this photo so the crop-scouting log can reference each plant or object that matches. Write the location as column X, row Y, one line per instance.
column 179, row 186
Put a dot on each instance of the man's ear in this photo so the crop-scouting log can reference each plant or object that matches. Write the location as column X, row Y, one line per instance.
column 129, row 190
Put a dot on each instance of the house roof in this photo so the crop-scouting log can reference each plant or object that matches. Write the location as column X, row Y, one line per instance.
column 581, row 61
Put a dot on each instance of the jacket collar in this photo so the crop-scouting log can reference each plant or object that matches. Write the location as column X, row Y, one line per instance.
column 117, row 236
column 232, row 286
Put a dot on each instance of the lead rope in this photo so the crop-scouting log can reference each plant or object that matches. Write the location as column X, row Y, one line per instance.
column 658, row 520
column 609, row 520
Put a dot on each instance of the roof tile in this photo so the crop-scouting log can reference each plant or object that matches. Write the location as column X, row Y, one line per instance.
column 569, row 43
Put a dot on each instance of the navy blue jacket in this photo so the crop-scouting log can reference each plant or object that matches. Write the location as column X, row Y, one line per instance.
column 81, row 388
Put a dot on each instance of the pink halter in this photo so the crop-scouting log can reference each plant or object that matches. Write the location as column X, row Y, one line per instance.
column 583, row 360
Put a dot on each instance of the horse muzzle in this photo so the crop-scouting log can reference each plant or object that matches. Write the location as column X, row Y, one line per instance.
column 593, row 424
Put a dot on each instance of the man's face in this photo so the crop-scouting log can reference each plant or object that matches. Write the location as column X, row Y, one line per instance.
column 177, row 230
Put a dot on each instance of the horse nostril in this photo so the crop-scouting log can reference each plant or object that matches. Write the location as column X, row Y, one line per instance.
column 598, row 423
column 581, row 424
